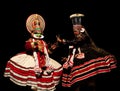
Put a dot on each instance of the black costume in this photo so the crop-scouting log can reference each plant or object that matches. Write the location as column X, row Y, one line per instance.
column 85, row 59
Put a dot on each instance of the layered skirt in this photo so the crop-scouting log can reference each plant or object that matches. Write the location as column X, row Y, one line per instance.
column 93, row 64
column 20, row 70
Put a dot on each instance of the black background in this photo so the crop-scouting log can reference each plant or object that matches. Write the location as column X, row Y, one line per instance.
column 101, row 21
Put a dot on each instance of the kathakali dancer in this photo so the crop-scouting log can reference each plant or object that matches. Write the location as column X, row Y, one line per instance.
column 85, row 60
column 34, row 67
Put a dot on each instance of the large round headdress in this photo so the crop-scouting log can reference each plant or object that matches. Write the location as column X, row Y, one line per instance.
column 30, row 21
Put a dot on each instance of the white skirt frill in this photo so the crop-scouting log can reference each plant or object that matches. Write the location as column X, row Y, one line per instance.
column 20, row 70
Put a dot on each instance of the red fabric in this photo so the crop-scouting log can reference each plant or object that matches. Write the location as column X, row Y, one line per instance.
column 41, row 59
column 28, row 46
column 26, row 76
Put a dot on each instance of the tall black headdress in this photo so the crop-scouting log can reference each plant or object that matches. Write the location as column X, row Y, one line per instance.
column 76, row 18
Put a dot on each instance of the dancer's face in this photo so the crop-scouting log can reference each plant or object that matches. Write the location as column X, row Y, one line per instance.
column 36, row 26
column 37, row 32
column 78, row 31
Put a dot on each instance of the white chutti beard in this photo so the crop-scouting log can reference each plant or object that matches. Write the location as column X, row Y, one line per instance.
column 38, row 37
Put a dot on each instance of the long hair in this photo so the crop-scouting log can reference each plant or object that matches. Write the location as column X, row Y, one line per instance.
column 94, row 46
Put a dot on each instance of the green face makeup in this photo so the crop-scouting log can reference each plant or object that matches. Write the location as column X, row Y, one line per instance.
column 37, row 28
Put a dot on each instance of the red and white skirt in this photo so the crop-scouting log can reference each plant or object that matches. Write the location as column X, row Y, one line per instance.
column 87, row 69
column 20, row 70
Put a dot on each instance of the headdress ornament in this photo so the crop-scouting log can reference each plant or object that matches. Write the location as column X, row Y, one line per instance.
column 30, row 21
